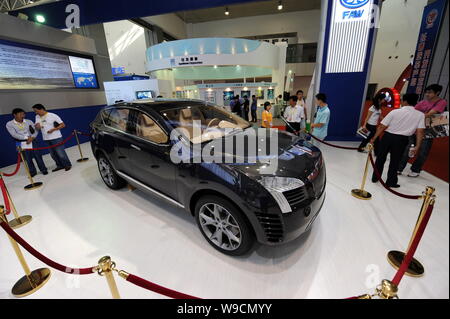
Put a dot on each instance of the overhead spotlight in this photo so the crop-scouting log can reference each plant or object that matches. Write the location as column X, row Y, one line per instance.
column 280, row 5
column 227, row 12
column 40, row 18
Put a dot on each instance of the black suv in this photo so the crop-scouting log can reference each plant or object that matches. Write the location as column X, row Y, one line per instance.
column 155, row 146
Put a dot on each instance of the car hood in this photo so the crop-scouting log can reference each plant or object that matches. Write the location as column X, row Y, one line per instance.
column 294, row 157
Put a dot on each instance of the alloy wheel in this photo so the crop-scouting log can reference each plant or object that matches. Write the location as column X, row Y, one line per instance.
column 106, row 171
column 220, row 226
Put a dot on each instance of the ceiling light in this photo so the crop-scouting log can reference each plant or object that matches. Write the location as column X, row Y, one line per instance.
column 227, row 12
column 40, row 18
column 280, row 5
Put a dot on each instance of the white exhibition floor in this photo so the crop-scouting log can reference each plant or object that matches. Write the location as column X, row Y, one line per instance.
column 77, row 220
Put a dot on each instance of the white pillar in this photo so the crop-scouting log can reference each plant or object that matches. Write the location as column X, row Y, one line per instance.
column 279, row 74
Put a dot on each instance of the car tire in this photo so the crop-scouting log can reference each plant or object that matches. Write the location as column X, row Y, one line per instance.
column 226, row 228
column 108, row 174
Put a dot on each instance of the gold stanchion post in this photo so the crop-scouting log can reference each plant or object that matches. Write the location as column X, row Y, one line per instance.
column 361, row 193
column 33, row 280
column 105, row 268
column 395, row 258
column 18, row 221
column 81, row 159
column 386, row 290
column 33, row 184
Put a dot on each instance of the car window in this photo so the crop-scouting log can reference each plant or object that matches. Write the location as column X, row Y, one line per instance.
column 118, row 119
column 146, row 128
column 202, row 123
column 103, row 116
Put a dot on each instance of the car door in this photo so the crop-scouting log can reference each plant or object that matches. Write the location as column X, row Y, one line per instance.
column 116, row 136
column 149, row 155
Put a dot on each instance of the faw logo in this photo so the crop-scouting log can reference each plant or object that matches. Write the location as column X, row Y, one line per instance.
column 353, row 4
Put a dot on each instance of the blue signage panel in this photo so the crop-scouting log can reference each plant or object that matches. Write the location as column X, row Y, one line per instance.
column 429, row 29
column 345, row 64
column 118, row 70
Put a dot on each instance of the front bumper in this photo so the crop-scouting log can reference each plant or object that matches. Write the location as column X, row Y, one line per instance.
column 300, row 220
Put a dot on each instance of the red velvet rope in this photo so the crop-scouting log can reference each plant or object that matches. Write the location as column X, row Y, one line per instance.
column 51, row 146
column 333, row 145
column 138, row 281
column 409, row 255
column 378, row 175
column 16, row 169
column 5, row 197
column 45, row 260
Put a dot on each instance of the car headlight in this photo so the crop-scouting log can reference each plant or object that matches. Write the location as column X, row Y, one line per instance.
column 276, row 185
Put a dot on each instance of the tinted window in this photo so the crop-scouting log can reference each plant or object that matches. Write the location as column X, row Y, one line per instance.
column 103, row 117
column 118, row 119
column 202, row 123
column 145, row 127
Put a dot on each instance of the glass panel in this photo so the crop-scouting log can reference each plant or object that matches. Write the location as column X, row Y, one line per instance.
column 118, row 119
column 147, row 129
column 202, row 123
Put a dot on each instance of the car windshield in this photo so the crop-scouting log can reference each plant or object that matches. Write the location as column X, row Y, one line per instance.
column 201, row 123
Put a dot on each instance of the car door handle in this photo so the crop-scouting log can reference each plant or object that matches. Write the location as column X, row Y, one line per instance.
column 135, row 147
column 154, row 166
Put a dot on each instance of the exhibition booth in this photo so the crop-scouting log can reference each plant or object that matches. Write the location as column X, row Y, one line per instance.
column 169, row 194
column 207, row 62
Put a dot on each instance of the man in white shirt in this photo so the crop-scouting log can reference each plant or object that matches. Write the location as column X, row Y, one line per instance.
column 50, row 125
column 24, row 133
column 302, row 104
column 293, row 115
column 398, row 126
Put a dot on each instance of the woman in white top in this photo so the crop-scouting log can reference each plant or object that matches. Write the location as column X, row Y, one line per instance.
column 371, row 122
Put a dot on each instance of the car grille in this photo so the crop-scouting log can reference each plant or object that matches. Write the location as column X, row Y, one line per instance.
column 273, row 228
column 296, row 197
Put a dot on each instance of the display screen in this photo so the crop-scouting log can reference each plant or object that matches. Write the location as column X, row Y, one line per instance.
column 83, row 72
column 30, row 67
column 141, row 95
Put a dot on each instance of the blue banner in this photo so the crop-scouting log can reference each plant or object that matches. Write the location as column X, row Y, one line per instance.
column 429, row 29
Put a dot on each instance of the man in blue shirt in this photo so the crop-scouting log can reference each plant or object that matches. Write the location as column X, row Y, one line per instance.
column 322, row 118
column 24, row 132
